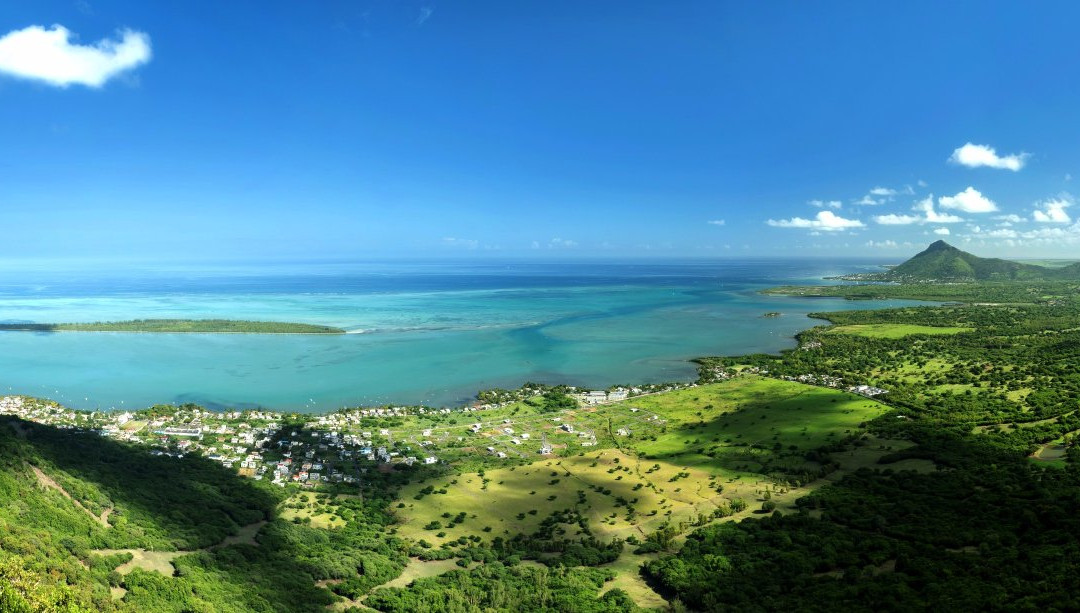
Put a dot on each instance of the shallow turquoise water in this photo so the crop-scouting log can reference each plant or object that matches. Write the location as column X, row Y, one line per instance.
column 432, row 334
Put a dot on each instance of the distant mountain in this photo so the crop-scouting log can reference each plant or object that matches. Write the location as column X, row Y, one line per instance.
column 943, row 262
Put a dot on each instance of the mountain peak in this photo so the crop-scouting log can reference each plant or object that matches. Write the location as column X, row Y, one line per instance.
column 939, row 245
column 943, row 262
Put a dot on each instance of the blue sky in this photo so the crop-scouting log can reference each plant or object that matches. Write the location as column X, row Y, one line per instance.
column 400, row 128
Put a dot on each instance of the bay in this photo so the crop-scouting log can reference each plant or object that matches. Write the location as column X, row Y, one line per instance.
column 420, row 332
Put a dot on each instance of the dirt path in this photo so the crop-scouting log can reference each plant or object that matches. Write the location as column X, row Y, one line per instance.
column 48, row 482
column 161, row 561
column 246, row 535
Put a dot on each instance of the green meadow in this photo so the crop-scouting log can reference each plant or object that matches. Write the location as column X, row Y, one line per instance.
column 714, row 445
column 893, row 331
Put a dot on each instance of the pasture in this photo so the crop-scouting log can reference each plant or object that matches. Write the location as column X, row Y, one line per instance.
column 895, row 331
column 713, row 441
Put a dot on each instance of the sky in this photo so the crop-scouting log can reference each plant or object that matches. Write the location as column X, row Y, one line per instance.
column 359, row 129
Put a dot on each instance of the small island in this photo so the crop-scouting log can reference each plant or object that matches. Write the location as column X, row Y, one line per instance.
column 772, row 314
column 205, row 326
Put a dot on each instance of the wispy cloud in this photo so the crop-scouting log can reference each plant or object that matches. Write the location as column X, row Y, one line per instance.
column 825, row 220
column 885, row 244
column 969, row 201
column 1010, row 218
column 716, row 222
column 822, row 204
column 893, row 219
column 942, row 231
column 425, row 14
column 461, row 243
column 877, row 195
column 561, row 243
column 49, row 55
column 974, row 156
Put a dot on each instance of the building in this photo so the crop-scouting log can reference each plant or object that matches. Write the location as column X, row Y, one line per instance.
column 595, row 397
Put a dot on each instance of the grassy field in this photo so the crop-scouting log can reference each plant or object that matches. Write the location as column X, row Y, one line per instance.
column 629, row 580
column 893, row 331
column 706, row 454
column 154, row 561
column 740, row 424
column 305, row 508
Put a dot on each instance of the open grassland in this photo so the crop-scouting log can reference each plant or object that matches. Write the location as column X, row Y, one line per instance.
column 894, row 331
column 749, row 421
column 628, row 579
column 601, row 485
column 154, row 561
column 307, row 509
column 714, row 441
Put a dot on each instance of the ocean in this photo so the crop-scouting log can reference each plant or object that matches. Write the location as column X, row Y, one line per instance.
column 430, row 333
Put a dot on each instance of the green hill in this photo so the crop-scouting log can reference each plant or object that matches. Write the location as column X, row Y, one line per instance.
column 943, row 262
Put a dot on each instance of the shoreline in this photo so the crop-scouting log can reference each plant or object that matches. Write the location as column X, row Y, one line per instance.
column 694, row 362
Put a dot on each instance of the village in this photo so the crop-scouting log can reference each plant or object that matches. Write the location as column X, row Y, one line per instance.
column 339, row 449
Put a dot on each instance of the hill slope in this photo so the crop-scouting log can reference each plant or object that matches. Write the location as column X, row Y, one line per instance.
column 943, row 262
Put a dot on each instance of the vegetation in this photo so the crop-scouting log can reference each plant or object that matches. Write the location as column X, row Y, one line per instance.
column 943, row 262
column 895, row 330
column 215, row 326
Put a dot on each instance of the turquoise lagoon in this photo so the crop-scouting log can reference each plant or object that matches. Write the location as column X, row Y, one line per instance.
column 431, row 333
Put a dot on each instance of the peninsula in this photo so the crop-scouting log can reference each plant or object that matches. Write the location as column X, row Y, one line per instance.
column 205, row 326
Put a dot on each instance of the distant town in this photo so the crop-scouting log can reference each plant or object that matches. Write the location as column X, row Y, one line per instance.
column 309, row 450
column 339, row 448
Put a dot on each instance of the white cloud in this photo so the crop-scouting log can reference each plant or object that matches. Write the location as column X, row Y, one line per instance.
column 897, row 220
column 561, row 243
column 825, row 220
column 879, row 194
column 1010, row 218
column 832, row 204
column 969, row 201
column 48, row 55
column 716, row 222
column 974, row 156
column 1052, row 211
column 886, row 244
column 461, row 243
column 425, row 14
column 868, row 200
column 942, row 231
column 928, row 215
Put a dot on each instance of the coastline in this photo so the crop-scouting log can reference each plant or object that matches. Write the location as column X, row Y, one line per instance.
column 653, row 388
